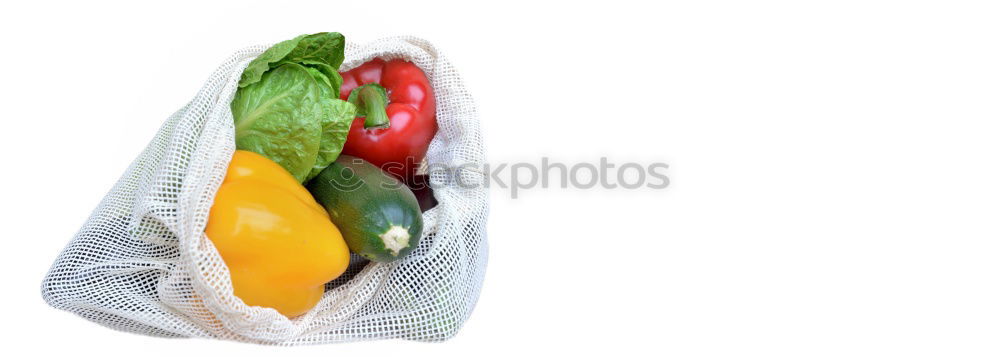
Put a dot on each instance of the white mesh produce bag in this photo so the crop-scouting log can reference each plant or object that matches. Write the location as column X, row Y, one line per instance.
column 142, row 262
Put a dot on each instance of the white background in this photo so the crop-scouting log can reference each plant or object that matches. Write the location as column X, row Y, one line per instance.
column 835, row 187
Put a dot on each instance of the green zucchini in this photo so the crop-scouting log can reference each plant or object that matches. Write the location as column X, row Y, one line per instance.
column 377, row 214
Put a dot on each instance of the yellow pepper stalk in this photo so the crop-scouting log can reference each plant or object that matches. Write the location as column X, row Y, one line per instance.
column 279, row 244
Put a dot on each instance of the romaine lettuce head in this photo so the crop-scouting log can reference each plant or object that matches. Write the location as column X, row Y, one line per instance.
column 280, row 117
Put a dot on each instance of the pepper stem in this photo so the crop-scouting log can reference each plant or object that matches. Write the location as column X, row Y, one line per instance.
column 371, row 100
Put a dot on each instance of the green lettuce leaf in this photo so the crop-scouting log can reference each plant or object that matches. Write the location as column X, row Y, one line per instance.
column 336, row 121
column 262, row 63
column 335, row 128
column 281, row 116
column 332, row 77
column 288, row 106
column 324, row 48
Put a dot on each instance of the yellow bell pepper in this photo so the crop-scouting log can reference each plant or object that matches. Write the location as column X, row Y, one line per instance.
column 279, row 244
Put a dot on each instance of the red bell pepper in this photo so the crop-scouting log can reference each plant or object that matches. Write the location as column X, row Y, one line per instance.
column 409, row 112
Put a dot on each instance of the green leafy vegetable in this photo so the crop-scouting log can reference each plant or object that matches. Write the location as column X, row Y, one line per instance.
column 262, row 63
column 324, row 48
column 337, row 118
column 280, row 117
column 288, row 106
column 330, row 72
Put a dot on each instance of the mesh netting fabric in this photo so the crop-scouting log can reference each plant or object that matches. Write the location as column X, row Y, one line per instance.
column 142, row 263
